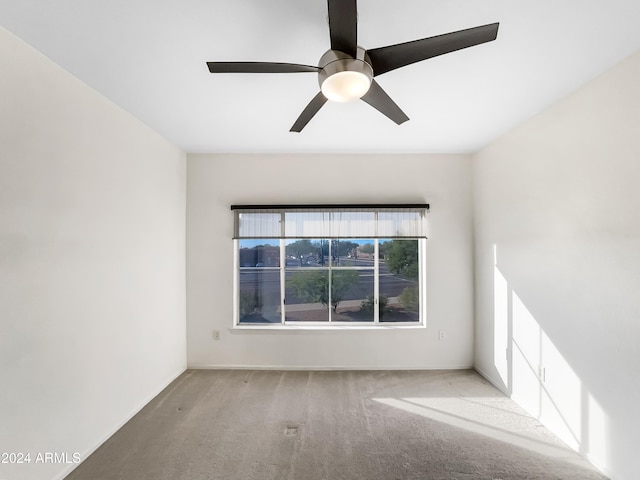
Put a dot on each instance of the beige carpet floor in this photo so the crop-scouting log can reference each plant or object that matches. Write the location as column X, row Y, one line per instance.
column 294, row 425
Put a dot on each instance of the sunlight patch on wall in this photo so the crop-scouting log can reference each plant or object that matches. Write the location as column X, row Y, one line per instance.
column 543, row 382
column 527, row 369
column 596, row 445
column 500, row 321
column 560, row 394
column 540, row 378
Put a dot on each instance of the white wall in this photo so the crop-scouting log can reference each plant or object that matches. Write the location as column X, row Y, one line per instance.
column 557, row 225
column 92, row 294
column 217, row 181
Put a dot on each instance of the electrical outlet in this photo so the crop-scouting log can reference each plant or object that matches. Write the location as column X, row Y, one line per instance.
column 441, row 335
column 216, row 334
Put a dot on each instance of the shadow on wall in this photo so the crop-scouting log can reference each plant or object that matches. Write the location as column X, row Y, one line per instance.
column 540, row 379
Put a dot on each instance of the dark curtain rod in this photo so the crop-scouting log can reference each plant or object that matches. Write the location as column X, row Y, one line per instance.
column 329, row 206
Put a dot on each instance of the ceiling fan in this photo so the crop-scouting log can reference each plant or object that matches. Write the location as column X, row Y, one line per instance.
column 346, row 72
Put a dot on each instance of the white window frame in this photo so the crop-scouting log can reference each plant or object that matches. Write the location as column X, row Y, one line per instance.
column 282, row 268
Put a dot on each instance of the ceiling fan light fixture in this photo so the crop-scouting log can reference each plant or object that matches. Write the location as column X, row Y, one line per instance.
column 346, row 86
column 343, row 78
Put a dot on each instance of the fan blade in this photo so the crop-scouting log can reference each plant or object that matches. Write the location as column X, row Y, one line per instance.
column 378, row 99
column 307, row 114
column 385, row 59
column 258, row 67
column 343, row 26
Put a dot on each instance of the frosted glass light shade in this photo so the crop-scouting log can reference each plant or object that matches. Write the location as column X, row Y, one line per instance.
column 346, row 86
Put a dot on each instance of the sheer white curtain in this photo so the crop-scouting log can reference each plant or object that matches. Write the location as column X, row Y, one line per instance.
column 327, row 222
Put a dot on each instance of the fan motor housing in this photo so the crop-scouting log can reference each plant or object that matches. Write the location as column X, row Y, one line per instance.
column 334, row 61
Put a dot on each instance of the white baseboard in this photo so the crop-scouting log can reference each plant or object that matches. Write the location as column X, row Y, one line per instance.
column 326, row 367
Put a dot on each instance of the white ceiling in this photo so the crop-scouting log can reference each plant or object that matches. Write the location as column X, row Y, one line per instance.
column 148, row 56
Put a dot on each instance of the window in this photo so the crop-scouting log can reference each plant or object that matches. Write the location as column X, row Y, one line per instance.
column 330, row 265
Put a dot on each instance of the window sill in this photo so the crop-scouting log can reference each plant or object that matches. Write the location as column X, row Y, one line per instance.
column 320, row 328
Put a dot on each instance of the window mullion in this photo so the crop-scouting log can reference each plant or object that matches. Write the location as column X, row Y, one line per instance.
column 376, row 281
column 283, row 273
column 330, row 279
column 283, row 277
column 236, row 281
column 422, row 280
